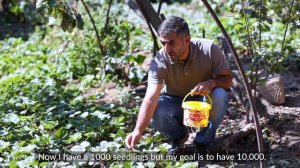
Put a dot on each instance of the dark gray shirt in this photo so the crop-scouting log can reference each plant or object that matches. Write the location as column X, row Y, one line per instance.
column 205, row 61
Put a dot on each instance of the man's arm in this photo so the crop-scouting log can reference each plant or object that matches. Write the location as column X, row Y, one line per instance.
column 223, row 80
column 146, row 112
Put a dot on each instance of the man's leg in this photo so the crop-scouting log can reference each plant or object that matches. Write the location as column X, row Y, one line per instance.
column 168, row 117
column 219, row 108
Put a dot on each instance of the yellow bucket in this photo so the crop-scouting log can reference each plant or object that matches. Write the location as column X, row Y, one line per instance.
column 196, row 113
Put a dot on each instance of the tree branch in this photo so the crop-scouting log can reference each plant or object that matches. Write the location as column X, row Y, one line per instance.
column 286, row 27
column 102, row 52
column 107, row 14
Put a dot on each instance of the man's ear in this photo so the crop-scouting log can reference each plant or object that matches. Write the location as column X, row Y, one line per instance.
column 187, row 38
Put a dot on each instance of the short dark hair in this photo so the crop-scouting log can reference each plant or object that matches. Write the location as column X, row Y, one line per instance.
column 174, row 24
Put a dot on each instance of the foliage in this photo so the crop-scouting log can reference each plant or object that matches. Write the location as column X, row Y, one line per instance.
column 84, row 58
column 267, row 32
column 21, row 11
column 61, row 9
column 43, row 116
column 267, row 54
column 38, row 112
column 42, row 112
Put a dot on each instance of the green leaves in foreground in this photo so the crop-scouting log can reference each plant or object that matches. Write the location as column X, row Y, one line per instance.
column 60, row 133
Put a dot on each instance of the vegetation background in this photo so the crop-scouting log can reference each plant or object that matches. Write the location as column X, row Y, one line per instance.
column 64, row 90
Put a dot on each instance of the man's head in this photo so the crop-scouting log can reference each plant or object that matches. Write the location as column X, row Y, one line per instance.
column 174, row 24
column 174, row 34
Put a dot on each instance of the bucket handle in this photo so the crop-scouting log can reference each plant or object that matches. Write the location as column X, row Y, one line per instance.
column 202, row 95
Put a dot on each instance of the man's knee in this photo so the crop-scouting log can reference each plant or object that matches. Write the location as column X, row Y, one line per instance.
column 165, row 113
column 219, row 95
column 219, row 103
column 158, row 119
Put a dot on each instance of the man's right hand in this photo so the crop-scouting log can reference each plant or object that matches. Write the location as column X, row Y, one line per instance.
column 133, row 138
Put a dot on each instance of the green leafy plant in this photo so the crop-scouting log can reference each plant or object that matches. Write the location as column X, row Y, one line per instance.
column 84, row 58
column 265, row 37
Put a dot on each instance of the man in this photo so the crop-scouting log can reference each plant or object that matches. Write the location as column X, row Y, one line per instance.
column 183, row 66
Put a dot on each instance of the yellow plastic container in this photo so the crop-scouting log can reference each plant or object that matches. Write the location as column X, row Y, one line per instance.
column 196, row 113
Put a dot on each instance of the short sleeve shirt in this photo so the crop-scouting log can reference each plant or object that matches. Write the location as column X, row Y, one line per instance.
column 205, row 61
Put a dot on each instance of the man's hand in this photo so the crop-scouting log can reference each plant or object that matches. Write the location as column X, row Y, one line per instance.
column 204, row 88
column 133, row 138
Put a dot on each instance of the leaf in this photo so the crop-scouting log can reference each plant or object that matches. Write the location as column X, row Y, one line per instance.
column 140, row 59
column 40, row 4
column 269, row 20
column 293, row 28
column 113, row 145
column 85, row 144
column 169, row 165
column 11, row 117
column 52, row 20
column 140, row 74
column 92, row 97
column 72, row 25
column 43, row 164
column 253, row 3
column 13, row 164
column 73, row 115
column 79, row 21
column 64, row 22
column 121, row 134
column 149, row 164
column 103, row 146
column 249, row 11
column 84, row 115
column 77, row 149
column 295, row 17
column 60, row 133
column 74, row 138
column 164, row 147
column 100, row 115
column 4, row 144
column 148, row 140
column 49, row 124
column 3, row 132
column 28, row 148
column 50, row 109
column 89, row 134
column 127, row 164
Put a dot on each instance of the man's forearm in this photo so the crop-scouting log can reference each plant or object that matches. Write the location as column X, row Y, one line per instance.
column 223, row 82
column 145, row 114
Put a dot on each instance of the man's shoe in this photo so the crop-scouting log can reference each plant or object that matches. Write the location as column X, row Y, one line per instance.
column 178, row 145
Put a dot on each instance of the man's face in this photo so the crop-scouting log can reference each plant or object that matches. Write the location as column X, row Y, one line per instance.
column 175, row 46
